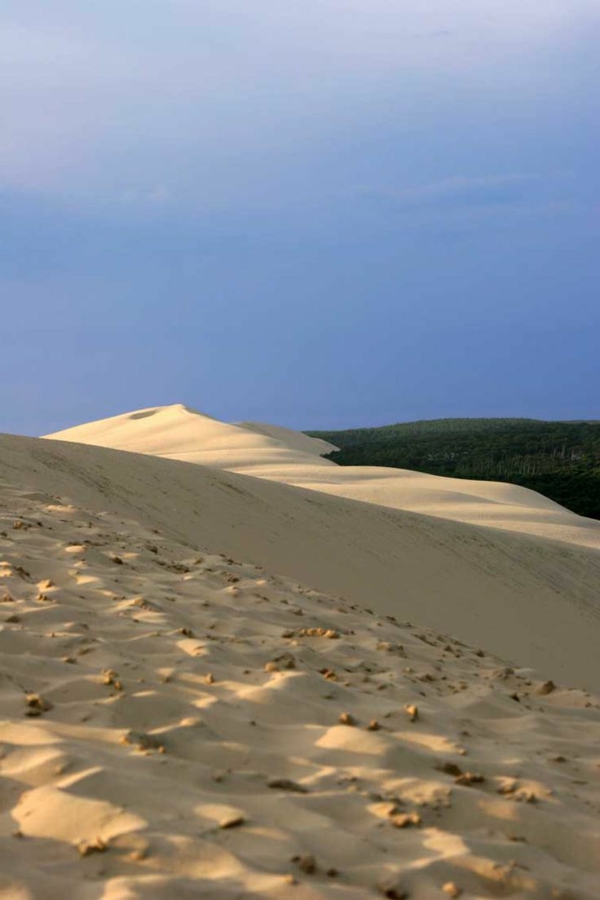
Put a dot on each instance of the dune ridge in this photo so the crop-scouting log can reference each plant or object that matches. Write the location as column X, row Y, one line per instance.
column 182, row 433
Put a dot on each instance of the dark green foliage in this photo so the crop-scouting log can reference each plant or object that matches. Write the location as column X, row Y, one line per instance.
column 558, row 459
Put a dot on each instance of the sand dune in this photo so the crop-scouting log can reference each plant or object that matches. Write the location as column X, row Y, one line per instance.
column 176, row 723
column 181, row 433
column 528, row 599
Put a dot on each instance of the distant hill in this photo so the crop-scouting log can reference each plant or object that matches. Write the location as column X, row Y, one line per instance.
column 558, row 459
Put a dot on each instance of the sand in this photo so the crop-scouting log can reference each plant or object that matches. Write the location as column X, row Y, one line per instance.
column 176, row 723
column 216, row 685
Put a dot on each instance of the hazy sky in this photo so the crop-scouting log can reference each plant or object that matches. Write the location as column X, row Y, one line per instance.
column 318, row 214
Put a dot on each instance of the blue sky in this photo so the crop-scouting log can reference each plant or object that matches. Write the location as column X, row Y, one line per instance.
column 343, row 213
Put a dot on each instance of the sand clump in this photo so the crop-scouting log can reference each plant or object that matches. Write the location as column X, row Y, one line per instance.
column 36, row 705
column 412, row 711
column 451, row 889
column 87, row 848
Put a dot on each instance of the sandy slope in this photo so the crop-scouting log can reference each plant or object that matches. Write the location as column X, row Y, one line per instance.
column 529, row 599
column 171, row 726
column 182, row 433
column 296, row 440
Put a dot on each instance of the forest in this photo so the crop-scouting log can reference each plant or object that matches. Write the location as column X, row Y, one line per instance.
column 558, row 459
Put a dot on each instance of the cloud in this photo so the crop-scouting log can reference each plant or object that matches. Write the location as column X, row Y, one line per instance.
column 103, row 99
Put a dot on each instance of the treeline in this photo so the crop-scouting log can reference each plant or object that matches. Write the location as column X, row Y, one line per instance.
column 559, row 459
